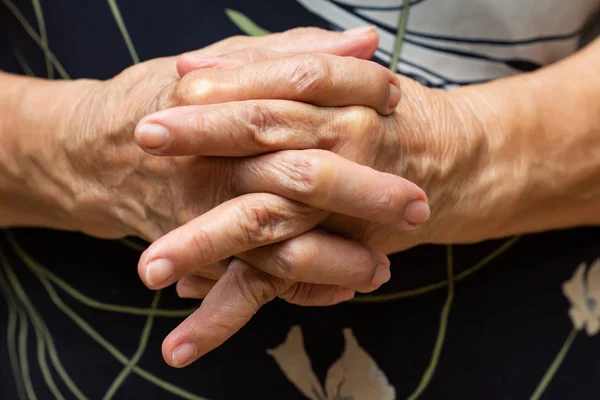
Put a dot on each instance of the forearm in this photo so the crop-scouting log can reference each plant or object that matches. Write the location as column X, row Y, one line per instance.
column 32, row 163
column 541, row 164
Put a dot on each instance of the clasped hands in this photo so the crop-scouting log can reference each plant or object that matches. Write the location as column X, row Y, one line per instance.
column 281, row 166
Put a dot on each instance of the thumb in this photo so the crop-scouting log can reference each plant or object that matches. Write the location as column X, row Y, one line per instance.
column 359, row 42
column 229, row 305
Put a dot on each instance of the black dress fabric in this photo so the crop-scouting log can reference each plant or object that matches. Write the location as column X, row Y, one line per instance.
column 495, row 320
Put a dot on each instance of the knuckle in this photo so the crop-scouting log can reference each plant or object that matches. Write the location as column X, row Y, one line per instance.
column 239, row 280
column 194, row 88
column 357, row 122
column 294, row 259
column 311, row 73
column 255, row 292
column 258, row 119
column 281, row 267
column 203, row 247
column 259, row 223
column 304, row 174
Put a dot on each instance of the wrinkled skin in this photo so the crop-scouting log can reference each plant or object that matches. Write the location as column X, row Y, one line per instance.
column 433, row 138
column 338, row 118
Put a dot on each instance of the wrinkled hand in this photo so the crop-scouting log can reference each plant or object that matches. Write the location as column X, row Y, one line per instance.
column 120, row 190
column 432, row 138
column 106, row 160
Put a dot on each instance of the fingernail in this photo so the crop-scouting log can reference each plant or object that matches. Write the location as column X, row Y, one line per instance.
column 382, row 273
column 158, row 272
column 361, row 30
column 183, row 354
column 394, row 96
column 417, row 212
column 344, row 295
column 152, row 136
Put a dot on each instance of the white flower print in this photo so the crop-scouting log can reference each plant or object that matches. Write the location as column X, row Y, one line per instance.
column 583, row 292
column 354, row 376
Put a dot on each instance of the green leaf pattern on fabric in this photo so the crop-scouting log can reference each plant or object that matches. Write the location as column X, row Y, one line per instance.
column 245, row 24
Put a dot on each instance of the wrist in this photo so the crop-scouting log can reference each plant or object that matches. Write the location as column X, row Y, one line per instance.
column 499, row 193
column 114, row 178
column 541, row 165
column 34, row 181
column 442, row 149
